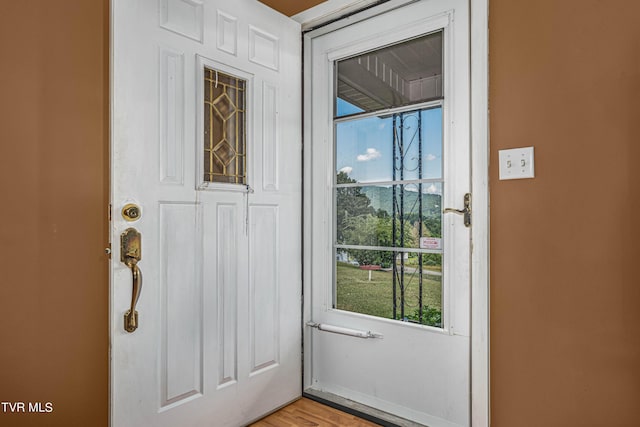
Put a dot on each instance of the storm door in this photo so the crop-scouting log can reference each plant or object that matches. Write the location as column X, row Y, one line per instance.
column 387, row 160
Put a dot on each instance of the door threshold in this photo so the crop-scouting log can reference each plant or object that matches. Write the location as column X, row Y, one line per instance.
column 368, row 413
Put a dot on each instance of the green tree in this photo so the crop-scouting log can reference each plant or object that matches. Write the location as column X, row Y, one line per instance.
column 358, row 223
column 431, row 226
column 370, row 230
column 350, row 202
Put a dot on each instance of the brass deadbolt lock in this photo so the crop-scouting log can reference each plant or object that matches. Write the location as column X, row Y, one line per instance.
column 131, row 212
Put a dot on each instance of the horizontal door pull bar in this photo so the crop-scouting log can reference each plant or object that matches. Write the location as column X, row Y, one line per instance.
column 343, row 331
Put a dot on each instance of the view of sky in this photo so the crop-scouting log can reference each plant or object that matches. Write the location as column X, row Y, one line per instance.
column 364, row 147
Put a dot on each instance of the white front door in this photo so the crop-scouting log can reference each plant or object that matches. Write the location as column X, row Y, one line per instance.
column 206, row 143
column 387, row 104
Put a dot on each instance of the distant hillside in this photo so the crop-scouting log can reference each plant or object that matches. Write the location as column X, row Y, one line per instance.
column 381, row 198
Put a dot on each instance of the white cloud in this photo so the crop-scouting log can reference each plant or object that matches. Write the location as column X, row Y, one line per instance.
column 382, row 126
column 347, row 169
column 432, row 189
column 431, row 157
column 371, row 154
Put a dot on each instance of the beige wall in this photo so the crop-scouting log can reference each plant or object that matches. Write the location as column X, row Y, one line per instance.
column 53, row 225
column 565, row 285
column 565, row 78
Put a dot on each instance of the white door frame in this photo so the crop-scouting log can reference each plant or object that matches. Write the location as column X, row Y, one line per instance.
column 479, row 31
column 479, row 46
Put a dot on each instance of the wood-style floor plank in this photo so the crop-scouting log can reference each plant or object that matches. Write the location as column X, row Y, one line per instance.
column 308, row 413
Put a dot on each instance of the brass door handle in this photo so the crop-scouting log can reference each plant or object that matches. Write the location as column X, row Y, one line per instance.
column 466, row 211
column 131, row 315
column 130, row 254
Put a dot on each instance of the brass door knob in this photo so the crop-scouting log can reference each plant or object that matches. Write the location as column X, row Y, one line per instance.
column 131, row 212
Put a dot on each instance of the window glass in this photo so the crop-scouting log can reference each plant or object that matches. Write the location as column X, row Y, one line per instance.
column 394, row 76
column 388, row 215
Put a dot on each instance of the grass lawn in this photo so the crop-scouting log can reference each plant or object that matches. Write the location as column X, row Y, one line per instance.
column 357, row 294
column 435, row 258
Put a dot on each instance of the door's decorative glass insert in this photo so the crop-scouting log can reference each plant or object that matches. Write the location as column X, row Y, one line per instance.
column 389, row 181
column 224, row 128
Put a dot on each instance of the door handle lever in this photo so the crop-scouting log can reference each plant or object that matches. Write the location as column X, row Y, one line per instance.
column 456, row 211
column 130, row 254
column 466, row 211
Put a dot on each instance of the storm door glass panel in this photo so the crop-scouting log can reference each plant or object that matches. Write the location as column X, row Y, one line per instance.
column 388, row 212
column 403, row 74
column 224, row 128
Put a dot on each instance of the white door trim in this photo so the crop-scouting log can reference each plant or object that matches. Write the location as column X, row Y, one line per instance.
column 479, row 31
column 479, row 34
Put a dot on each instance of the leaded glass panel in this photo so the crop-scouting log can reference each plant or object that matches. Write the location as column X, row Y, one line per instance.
column 224, row 128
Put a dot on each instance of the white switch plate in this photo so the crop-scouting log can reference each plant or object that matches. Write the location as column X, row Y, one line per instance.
column 516, row 163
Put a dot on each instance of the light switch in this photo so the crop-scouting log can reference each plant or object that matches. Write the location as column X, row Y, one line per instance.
column 516, row 163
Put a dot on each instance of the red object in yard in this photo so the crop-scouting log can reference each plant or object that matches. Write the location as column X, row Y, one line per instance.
column 370, row 267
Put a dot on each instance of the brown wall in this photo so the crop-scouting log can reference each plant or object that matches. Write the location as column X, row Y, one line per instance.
column 565, row 285
column 53, row 225
column 565, row 78
column 291, row 7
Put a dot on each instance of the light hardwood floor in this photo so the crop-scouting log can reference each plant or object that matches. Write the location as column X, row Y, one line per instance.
column 308, row 413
